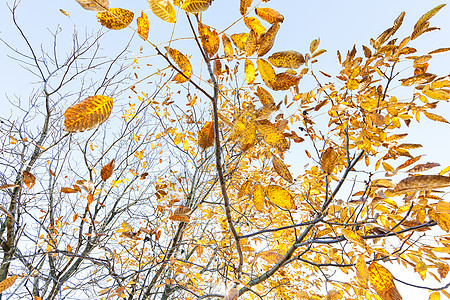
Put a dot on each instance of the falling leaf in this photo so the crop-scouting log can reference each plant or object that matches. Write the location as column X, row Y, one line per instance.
column 422, row 183
column 280, row 197
column 90, row 198
column 268, row 39
column 210, row 39
column 206, row 136
column 163, row 9
column 269, row 15
column 244, row 5
column 383, row 282
column 115, row 18
column 259, row 197
column 281, row 168
column 29, row 179
column 196, row 6
column 97, row 5
column 287, row 59
column 143, row 26
column 239, row 40
column 88, row 114
column 249, row 71
column 328, row 160
column 107, row 170
column 254, row 24
column 7, row 283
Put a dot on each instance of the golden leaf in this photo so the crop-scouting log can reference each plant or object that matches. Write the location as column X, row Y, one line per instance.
column 29, row 179
column 251, row 43
column 280, row 197
column 68, row 190
column 265, row 112
column 7, row 283
column 421, row 268
column 397, row 23
column 271, row 257
column 227, row 47
column 281, row 169
column 245, row 189
column 268, row 39
column 283, row 81
column 248, row 136
column 269, row 15
column 428, row 15
column 259, row 197
column 350, row 235
column 443, row 220
column 240, row 40
column 273, row 136
column 179, row 218
column 439, row 50
column 196, row 6
column 107, row 170
column 206, row 136
column 181, row 210
column 313, row 46
column 328, row 160
column 163, row 10
column 267, row 72
column 383, row 282
column 438, row 94
column 88, row 114
column 362, row 271
column 244, row 5
column 318, row 52
column 183, row 63
column 264, row 96
column 435, row 296
column 423, row 167
column 64, row 12
column 334, row 295
column 97, row 5
column 418, row 79
column 210, row 39
column 7, row 186
column 422, row 183
column 249, row 71
column 90, row 198
column 238, row 128
column 254, row 24
column 435, row 117
column 115, row 18
column 287, row 59
column 143, row 26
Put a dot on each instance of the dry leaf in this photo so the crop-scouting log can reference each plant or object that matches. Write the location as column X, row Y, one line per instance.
column 97, row 5
column 107, row 170
column 29, row 179
column 422, row 183
column 281, row 169
column 328, row 160
column 88, row 114
column 206, row 136
column 383, row 282
column 115, row 18
column 210, row 39
column 269, row 15
column 287, row 59
column 7, row 283
column 143, row 26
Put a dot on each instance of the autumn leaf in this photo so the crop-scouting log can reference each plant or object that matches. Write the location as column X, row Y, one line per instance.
column 143, row 26
column 163, row 9
column 7, row 283
column 196, row 6
column 313, row 46
column 249, row 71
column 206, row 136
column 254, row 24
column 88, row 114
column 29, row 179
column 418, row 79
column 239, row 40
column 8, row 186
column 107, row 170
column 251, row 43
column 428, row 16
column 435, row 117
column 244, row 5
column 182, row 62
column 362, row 271
column 227, row 46
column 351, row 235
column 421, row 268
column 271, row 257
column 115, row 18
column 328, row 160
column 233, row 293
column 68, row 190
column 259, row 197
column 264, row 96
column 248, row 137
column 280, row 197
column 97, row 5
column 438, row 94
column 281, row 169
column 423, row 167
column 267, row 72
column 209, row 38
column 268, row 39
column 383, row 282
column 273, row 136
column 287, row 59
column 269, row 15
column 283, row 81
column 245, row 189
column 422, row 183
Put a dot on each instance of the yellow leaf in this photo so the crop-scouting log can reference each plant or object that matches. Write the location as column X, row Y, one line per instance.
column 269, row 15
column 185, row 145
column 7, row 283
column 383, row 282
column 245, row 189
column 334, row 295
column 163, row 9
column 88, row 114
column 268, row 39
column 244, row 5
column 64, row 12
column 239, row 40
column 97, row 5
column 313, row 46
column 210, row 39
column 280, row 197
column 273, row 136
column 267, row 72
column 354, row 237
column 421, row 268
column 439, row 50
column 423, row 167
column 362, row 271
column 281, row 169
column 418, row 79
column 143, row 26
column 435, row 117
column 182, row 62
column 328, row 160
column 259, row 197
column 422, row 183
column 287, row 59
column 249, row 71
column 251, row 43
column 435, row 296
column 107, row 170
column 264, row 96
column 318, row 52
column 388, row 167
column 28, row 179
column 428, row 15
column 196, row 6
column 254, row 24
column 271, row 257
column 115, row 18
column 206, row 136
column 283, row 81
column 227, row 47
column 438, row 94
column 238, row 128
column 248, row 136
column 443, row 220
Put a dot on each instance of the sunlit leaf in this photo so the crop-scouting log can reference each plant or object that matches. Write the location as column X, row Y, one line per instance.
column 259, row 197
column 268, row 39
column 383, row 282
column 428, row 15
column 248, row 136
column 269, row 15
column 233, row 293
column 283, row 81
column 206, row 136
column 227, row 46
column 196, row 6
column 68, row 190
column 267, row 72
column 438, row 94
column 273, row 136
column 251, row 43
column 443, row 220
column 8, row 186
column 435, row 296
column 351, row 235
column 422, row 183
column 245, row 189
column 115, row 18
column 28, row 179
column 280, row 197
column 435, row 117
column 239, row 40
column 183, row 64
column 7, row 283
column 210, row 39
column 244, row 5
column 271, row 257
column 163, row 9
column 421, row 268
column 281, row 169
column 328, row 160
column 249, row 72
column 418, row 79
column 143, row 26
column 107, row 170
column 88, row 114
column 362, row 271
column 287, row 59
column 264, row 96
column 254, row 24
column 423, row 167
column 439, row 50
column 97, row 5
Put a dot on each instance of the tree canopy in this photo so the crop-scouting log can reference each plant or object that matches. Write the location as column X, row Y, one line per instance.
column 216, row 165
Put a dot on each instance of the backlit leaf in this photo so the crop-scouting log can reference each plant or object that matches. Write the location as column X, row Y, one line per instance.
column 273, row 136
column 143, row 26
column 88, row 114
column 254, row 24
column 232, row 294
column 28, row 179
column 438, row 94
column 259, row 197
column 287, row 59
column 421, row 268
column 183, row 64
column 269, row 15
column 227, row 46
column 328, row 160
column 244, row 5
column 435, row 117
column 313, row 46
column 351, row 235
column 383, row 282
column 245, row 189
column 283, row 81
column 271, row 257
column 251, row 43
column 68, row 190
column 264, row 96
column 206, row 136
column 418, row 79
column 428, row 15
column 115, row 18
column 248, row 136
column 249, row 71
column 281, row 169
column 435, row 296
column 239, row 40
column 107, row 170
column 422, row 28
column 210, row 39
column 267, row 72
column 362, row 271
column 163, row 9
column 7, row 283
column 440, row 50
column 280, row 197
column 423, row 167
column 196, row 6
column 97, row 5
column 268, row 39
column 422, row 183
